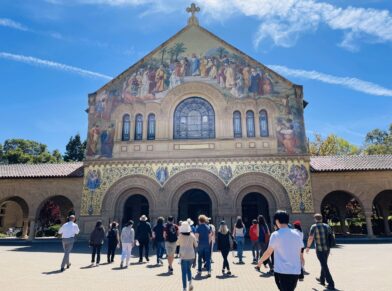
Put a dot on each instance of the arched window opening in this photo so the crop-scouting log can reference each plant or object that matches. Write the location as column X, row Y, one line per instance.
column 263, row 123
column 139, row 127
column 151, row 127
column 126, row 127
column 250, row 124
column 194, row 118
column 237, row 124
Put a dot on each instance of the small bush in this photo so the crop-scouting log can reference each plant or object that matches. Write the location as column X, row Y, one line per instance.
column 52, row 230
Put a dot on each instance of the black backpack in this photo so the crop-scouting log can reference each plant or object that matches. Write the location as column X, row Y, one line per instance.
column 330, row 237
column 112, row 234
column 171, row 233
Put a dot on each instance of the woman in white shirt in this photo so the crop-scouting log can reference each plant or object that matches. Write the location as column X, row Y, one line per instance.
column 127, row 241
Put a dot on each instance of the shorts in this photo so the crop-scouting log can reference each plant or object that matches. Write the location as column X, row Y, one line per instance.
column 170, row 248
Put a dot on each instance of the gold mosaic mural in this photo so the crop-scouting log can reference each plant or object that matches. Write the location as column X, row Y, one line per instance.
column 292, row 174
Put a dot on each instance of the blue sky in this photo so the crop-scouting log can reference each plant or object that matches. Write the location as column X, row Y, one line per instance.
column 54, row 52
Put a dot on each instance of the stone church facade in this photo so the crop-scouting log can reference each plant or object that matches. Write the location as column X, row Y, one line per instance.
column 196, row 126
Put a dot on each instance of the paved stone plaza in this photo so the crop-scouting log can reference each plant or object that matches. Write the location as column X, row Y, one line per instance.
column 355, row 267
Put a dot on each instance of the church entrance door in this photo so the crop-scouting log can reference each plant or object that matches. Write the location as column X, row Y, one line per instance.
column 254, row 204
column 134, row 207
column 193, row 203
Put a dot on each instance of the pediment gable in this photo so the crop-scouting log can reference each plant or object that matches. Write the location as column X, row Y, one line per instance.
column 196, row 55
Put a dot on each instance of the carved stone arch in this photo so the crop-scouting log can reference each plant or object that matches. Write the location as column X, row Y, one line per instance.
column 348, row 192
column 22, row 202
column 361, row 195
column 273, row 191
column 272, row 203
column 194, row 179
column 124, row 188
column 197, row 89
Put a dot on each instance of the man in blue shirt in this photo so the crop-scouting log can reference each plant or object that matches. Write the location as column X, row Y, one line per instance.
column 204, row 236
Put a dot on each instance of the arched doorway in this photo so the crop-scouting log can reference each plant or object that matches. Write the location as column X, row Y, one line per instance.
column 14, row 212
column 382, row 213
column 134, row 207
column 193, row 203
column 344, row 213
column 53, row 212
column 254, row 204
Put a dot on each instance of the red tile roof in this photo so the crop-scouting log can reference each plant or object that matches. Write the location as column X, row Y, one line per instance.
column 41, row 170
column 351, row 163
column 317, row 164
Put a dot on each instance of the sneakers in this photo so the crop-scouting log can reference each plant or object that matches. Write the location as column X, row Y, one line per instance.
column 209, row 275
column 228, row 273
column 223, row 272
column 69, row 265
column 190, row 286
column 121, row 265
column 330, row 287
column 170, row 270
column 321, row 282
column 62, row 270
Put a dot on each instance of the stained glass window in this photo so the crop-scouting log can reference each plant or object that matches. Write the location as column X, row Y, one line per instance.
column 126, row 127
column 263, row 118
column 250, row 124
column 151, row 127
column 139, row 127
column 194, row 118
column 237, row 124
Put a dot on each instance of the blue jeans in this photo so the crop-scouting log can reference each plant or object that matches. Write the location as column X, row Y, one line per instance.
column 240, row 246
column 186, row 271
column 204, row 252
column 160, row 250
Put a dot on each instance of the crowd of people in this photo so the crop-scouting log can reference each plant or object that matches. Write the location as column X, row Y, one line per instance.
column 280, row 249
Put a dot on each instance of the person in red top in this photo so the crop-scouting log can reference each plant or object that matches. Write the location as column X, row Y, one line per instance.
column 254, row 238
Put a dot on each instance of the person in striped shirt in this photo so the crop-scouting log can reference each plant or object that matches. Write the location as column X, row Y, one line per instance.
column 319, row 233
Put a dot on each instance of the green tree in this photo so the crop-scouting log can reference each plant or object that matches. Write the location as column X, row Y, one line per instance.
column 379, row 142
column 179, row 48
column 75, row 149
column 1, row 154
column 332, row 145
column 23, row 151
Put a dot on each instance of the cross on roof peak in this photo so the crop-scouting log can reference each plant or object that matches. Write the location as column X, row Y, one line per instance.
column 193, row 9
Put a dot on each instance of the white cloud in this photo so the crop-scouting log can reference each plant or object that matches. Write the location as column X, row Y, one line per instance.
column 12, row 24
column 284, row 21
column 348, row 82
column 281, row 21
column 54, row 65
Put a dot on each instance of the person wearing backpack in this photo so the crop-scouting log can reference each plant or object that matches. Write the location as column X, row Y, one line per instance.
column 113, row 241
column 171, row 235
column 254, row 238
column 322, row 236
